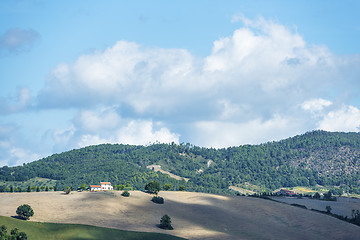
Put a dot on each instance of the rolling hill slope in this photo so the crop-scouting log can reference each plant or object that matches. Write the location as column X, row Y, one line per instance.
column 194, row 215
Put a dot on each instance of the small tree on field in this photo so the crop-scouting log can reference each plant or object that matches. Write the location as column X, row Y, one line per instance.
column 165, row 222
column 46, row 189
column 125, row 193
column 157, row 199
column 67, row 190
column 153, row 187
column 28, row 189
column 328, row 209
column 25, row 212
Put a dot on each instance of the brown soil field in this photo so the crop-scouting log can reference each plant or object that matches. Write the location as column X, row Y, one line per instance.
column 193, row 215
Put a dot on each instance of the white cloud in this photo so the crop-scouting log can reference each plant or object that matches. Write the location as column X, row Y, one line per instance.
column 346, row 119
column 315, row 105
column 224, row 133
column 105, row 125
column 262, row 71
column 135, row 132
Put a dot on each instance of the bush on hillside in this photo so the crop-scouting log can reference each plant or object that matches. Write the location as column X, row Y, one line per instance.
column 165, row 222
column 158, row 199
column 125, row 193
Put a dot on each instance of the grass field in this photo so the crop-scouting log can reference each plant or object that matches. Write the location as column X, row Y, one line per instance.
column 49, row 231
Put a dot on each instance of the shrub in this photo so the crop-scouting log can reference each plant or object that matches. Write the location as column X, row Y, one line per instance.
column 182, row 188
column 125, row 193
column 167, row 187
column 67, row 190
column 24, row 211
column 165, row 222
column 158, row 199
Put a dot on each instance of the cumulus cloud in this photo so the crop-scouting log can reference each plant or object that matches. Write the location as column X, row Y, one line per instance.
column 105, row 125
column 221, row 134
column 315, row 105
column 263, row 80
column 18, row 40
column 346, row 119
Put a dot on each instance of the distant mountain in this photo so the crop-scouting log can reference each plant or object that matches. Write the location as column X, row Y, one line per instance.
column 317, row 157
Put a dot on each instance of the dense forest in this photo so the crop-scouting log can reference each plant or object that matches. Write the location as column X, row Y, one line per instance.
column 317, row 157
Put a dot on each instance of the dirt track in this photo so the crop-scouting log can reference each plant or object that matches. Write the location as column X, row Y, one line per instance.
column 194, row 215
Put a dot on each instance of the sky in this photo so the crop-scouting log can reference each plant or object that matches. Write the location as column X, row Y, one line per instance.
column 210, row 73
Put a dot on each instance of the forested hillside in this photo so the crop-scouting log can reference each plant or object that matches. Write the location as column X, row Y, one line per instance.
column 318, row 157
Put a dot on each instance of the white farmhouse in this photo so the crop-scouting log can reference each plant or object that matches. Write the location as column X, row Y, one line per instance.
column 106, row 186
column 103, row 186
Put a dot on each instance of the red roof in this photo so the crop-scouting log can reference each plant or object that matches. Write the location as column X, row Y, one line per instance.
column 95, row 186
column 105, row 183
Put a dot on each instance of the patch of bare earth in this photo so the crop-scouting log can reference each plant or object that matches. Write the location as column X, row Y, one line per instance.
column 194, row 215
column 157, row 168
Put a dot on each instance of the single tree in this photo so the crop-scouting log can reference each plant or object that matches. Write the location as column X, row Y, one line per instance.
column 46, row 189
column 83, row 186
column 328, row 209
column 165, row 222
column 22, row 236
column 167, row 187
column 153, row 187
column 317, row 195
column 67, row 190
column 24, row 211
column 14, row 232
column 38, row 189
column 28, row 189
column 11, row 189
column 182, row 188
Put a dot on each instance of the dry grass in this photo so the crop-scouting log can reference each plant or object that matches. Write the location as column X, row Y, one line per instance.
column 194, row 215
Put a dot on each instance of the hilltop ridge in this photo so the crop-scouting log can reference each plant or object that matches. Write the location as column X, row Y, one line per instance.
column 317, row 157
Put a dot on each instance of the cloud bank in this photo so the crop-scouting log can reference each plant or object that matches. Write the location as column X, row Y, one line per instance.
column 262, row 83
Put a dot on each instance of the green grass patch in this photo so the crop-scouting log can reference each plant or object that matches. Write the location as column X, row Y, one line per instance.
column 33, row 182
column 49, row 231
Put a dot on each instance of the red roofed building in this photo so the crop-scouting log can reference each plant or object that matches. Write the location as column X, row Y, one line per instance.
column 103, row 186
column 285, row 192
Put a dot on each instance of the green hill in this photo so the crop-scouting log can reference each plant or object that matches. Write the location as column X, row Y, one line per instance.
column 317, row 157
column 48, row 231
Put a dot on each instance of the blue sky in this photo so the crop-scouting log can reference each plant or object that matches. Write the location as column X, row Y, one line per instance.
column 211, row 73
